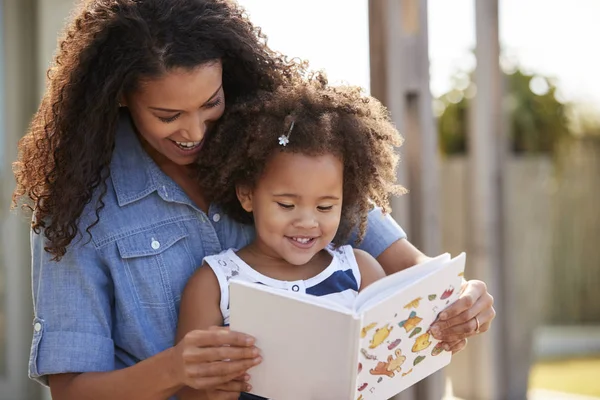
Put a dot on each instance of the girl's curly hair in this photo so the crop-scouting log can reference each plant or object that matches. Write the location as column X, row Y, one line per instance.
column 327, row 120
column 106, row 50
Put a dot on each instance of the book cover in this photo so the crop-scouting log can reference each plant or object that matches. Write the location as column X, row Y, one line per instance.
column 316, row 349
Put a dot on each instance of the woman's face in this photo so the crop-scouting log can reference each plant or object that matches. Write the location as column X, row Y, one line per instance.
column 173, row 113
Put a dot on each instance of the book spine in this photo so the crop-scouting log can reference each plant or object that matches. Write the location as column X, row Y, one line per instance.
column 354, row 354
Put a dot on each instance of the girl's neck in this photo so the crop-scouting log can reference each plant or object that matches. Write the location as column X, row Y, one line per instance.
column 278, row 268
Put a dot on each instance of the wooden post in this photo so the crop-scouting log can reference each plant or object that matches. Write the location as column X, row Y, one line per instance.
column 400, row 79
column 18, row 59
column 482, row 376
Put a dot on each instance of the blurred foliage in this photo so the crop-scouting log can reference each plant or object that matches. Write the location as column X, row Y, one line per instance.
column 537, row 120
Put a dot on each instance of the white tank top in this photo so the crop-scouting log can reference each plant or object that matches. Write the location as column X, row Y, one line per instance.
column 339, row 282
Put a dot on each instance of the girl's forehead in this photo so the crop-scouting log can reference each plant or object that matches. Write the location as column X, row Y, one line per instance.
column 302, row 171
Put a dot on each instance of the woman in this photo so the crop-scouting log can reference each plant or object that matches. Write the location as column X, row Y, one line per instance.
column 119, row 222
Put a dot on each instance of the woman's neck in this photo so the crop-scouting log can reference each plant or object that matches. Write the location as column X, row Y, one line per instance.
column 182, row 175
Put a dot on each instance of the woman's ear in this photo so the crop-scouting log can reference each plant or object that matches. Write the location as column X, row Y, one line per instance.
column 244, row 195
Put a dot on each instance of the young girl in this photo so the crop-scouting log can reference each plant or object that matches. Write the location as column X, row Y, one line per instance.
column 310, row 164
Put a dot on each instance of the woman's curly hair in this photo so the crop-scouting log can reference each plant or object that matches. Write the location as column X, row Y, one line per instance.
column 106, row 50
column 326, row 120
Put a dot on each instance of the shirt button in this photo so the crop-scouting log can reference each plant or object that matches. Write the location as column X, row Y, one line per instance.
column 37, row 327
column 217, row 217
column 155, row 244
column 295, row 288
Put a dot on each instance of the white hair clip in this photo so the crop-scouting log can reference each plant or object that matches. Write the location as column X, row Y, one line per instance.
column 285, row 139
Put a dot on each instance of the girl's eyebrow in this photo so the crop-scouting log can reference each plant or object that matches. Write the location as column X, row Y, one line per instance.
column 172, row 110
column 296, row 196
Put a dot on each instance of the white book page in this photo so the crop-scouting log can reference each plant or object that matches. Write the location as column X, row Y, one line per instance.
column 309, row 351
column 381, row 289
column 396, row 348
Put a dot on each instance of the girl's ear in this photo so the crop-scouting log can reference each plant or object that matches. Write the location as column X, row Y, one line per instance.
column 244, row 195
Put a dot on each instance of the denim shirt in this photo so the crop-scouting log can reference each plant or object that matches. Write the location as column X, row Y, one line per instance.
column 113, row 299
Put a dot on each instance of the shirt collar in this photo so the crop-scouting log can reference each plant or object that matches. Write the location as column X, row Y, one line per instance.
column 134, row 174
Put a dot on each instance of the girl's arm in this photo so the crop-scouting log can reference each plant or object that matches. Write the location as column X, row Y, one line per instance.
column 370, row 270
column 200, row 310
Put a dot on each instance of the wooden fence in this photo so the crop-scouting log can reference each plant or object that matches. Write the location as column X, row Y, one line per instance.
column 552, row 216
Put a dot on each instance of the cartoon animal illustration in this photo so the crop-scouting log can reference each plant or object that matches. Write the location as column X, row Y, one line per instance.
column 359, row 367
column 415, row 331
column 381, row 369
column 360, row 397
column 411, row 322
column 414, row 303
column 380, row 379
column 380, row 335
column 394, row 344
column 394, row 364
column 364, row 330
column 432, row 297
column 421, row 343
column 447, row 293
column 367, row 355
column 407, row 372
column 363, row 387
column 437, row 349
column 461, row 273
column 418, row 360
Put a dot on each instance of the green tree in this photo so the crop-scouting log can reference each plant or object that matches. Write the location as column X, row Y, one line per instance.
column 537, row 120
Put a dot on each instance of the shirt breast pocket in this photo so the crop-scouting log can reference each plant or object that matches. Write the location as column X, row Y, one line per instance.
column 157, row 260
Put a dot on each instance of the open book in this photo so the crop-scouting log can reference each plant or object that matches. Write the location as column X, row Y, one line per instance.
column 314, row 349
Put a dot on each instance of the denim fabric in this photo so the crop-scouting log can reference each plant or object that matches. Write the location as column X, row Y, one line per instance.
column 113, row 299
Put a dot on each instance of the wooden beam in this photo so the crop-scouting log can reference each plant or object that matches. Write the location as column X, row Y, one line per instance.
column 484, row 364
column 400, row 79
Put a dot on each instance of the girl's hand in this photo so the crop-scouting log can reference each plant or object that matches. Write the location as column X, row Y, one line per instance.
column 215, row 358
column 470, row 315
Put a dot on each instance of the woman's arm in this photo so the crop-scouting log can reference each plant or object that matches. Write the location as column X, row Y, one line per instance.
column 161, row 376
column 400, row 255
column 153, row 378
column 386, row 241
column 370, row 270
column 73, row 349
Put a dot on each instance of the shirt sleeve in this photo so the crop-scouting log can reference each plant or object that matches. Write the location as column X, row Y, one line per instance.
column 72, row 311
column 382, row 231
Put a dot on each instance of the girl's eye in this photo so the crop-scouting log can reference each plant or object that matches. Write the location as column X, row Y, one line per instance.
column 169, row 119
column 285, row 206
column 324, row 208
column 214, row 103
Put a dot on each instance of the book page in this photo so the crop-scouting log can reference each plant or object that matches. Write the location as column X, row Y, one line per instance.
column 309, row 351
column 381, row 289
column 396, row 348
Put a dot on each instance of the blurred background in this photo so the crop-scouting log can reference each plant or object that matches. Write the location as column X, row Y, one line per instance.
column 499, row 101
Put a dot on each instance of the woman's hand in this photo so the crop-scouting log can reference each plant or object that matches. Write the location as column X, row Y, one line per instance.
column 470, row 315
column 215, row 359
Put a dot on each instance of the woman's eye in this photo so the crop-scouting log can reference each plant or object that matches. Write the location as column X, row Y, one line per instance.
column 324, row 208
column 214, row 103
column 169, row 119
column 285, row 206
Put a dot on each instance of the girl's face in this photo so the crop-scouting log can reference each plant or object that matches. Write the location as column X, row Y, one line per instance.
column 173, row 113
column 297, row 204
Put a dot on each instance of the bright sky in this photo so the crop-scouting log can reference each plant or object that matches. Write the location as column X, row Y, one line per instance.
column 551, row 37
